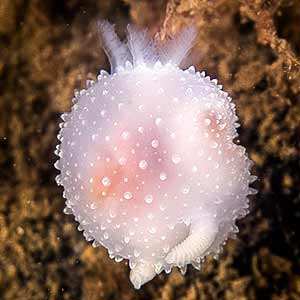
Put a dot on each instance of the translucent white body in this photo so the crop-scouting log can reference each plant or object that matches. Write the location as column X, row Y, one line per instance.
column 148, row 162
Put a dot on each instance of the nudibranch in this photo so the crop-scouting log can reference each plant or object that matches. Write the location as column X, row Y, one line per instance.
column 148, row 158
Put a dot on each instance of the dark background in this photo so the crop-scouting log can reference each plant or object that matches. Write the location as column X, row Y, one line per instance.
column 49, row 48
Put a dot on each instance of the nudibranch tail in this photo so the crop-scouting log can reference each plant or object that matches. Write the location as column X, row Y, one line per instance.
column 142, row 273
column 116, row 51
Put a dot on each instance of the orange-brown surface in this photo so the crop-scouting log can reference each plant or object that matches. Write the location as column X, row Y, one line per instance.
column 48, row 48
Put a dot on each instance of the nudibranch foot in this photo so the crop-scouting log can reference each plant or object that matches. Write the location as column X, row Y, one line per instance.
column 195, row 245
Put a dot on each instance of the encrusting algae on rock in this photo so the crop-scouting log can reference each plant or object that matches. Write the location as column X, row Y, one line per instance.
column 148, row 161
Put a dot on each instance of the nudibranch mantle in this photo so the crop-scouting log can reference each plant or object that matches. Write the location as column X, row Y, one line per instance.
column 148, row 161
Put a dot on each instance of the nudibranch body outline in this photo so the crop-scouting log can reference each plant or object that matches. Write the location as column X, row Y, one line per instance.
column 148, row 161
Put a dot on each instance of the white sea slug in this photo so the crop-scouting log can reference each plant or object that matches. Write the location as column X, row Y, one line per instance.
column 148, row 161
